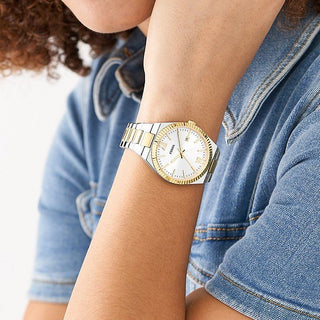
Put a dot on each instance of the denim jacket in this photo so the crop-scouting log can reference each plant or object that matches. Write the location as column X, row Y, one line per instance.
column 256, row 244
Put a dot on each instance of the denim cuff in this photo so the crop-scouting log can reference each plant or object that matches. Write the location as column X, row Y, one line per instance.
column 251, row 303
column 50, row 291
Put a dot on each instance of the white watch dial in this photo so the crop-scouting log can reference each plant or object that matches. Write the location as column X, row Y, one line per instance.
column 182, row 153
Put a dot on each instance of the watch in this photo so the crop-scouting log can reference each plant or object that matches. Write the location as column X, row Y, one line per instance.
column 180, row 152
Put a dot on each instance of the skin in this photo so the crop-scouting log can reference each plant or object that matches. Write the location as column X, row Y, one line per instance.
column 163, row 208
column 108, row 16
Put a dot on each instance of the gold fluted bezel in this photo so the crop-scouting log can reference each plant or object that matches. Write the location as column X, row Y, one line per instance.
column 155, row 145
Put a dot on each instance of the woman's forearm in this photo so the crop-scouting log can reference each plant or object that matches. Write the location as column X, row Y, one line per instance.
column 136, row 265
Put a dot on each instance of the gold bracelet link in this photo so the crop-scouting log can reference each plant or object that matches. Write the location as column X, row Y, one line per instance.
column 136, row 136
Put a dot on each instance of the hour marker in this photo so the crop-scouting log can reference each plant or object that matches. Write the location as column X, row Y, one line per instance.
column 199, row 160
column 168, row 136
column 184, row 175
column 201, row 150
column 196, row 141
column 174, row 170
column 162, row 145
column 161, row 155
column 189, row 164
column 188, row 136
column 166, row 165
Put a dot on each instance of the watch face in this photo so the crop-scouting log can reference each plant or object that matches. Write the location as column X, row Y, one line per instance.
column 181, row 153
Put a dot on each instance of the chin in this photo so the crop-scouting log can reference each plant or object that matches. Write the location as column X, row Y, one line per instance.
column 110, row 16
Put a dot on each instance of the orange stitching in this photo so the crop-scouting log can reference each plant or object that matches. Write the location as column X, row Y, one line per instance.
column 198, row 230
column 127, row 52
column 266, row 299
column 254, row 218
column 195, row 279
column 99, row 203
column 67, row 282
column 215, row 238
column 200, row 270
column 93, row 184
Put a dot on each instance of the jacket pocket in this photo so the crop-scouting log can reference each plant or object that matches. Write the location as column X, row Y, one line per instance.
column 89, row 209
column 84, row 211
column 210, row 242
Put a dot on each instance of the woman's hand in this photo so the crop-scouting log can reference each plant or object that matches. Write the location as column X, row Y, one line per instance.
column 197, row 51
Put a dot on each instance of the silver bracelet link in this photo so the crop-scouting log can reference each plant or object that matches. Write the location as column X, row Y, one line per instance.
column 139, row 136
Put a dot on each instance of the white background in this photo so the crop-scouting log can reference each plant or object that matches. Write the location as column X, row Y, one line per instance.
column 30, row 108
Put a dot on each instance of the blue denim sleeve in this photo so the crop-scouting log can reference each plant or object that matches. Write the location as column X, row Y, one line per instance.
column 273, row 272
column 61, row 242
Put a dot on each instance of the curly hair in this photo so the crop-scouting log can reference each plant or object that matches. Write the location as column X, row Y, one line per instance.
column 41, row 34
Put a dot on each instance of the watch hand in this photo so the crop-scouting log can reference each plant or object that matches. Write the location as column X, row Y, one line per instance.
column 181, row 152
column 188, row 162
column 175, row 158
column 179, row 143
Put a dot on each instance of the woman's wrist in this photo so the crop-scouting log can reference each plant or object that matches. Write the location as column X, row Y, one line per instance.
column 162, row 106
column 195, row 58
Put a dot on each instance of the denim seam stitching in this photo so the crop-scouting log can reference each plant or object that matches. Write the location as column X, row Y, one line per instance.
column 101, row 204
column 305, row 114
column 64, row 298
column 225, row 125
column 82, row 219
column 85, row 92
column 232, row 116
column 67, row 282
column 198, row 230
column 91, row 212
column 255, row 218
column 253, row 195
column 305, row 111
column 265, row 84
column 97, row 87
column 233, row 119
column 266, row 299
column 205, row 273
column 195, row 279
column 216, row 238
column 314, row 98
